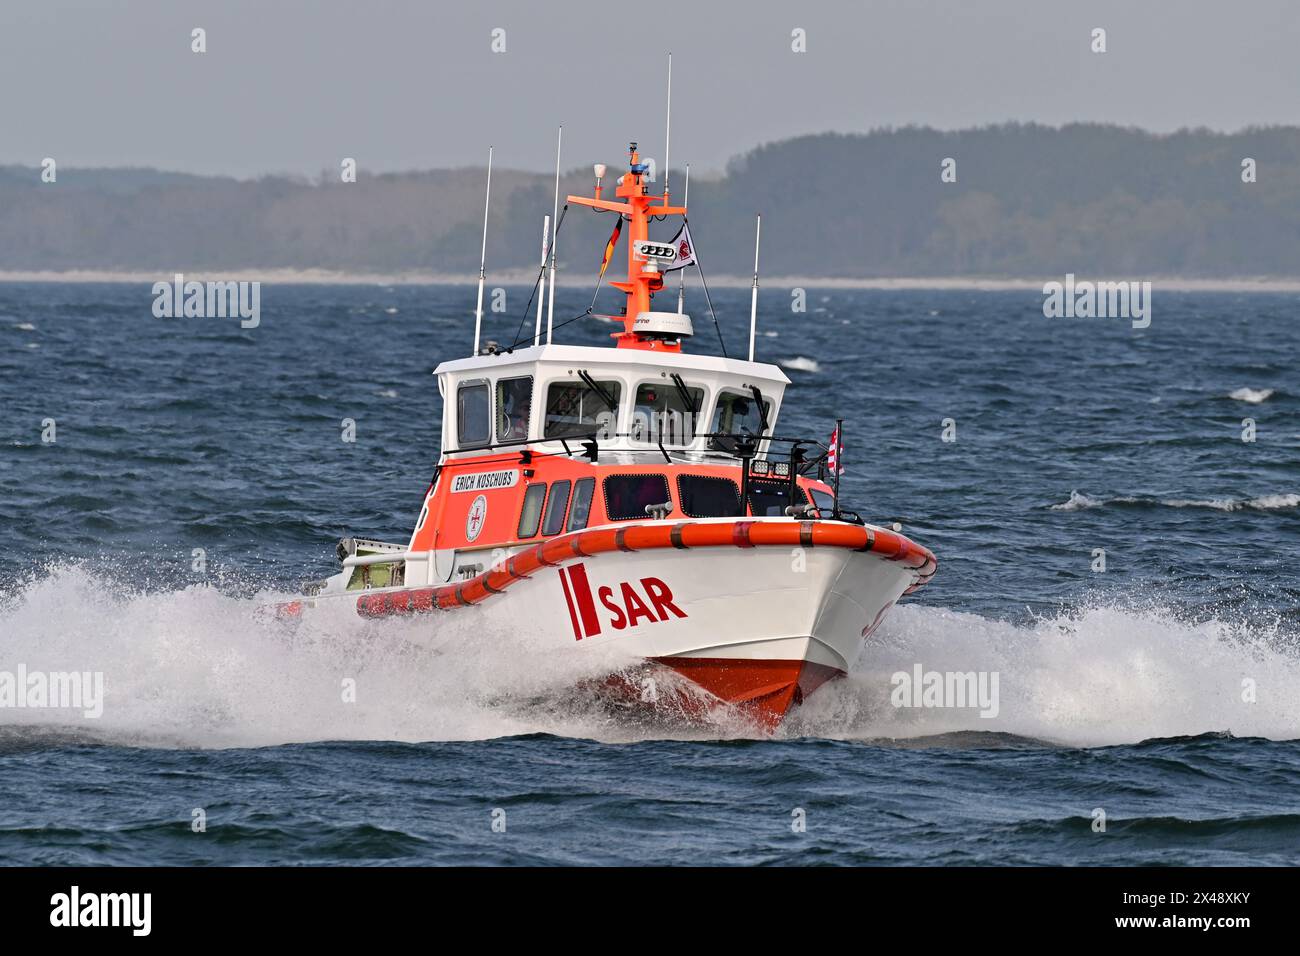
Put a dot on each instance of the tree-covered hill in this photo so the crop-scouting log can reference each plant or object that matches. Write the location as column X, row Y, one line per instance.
column 1028, row 200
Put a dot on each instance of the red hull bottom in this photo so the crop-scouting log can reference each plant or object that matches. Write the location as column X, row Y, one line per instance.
column 762, row 690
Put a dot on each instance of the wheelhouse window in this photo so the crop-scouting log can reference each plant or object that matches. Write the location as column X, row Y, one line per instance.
column 626, row 496
column 580, row 510
column 771, row 498
column 737, row 413
column 514, row 402
column 666, row 411
column 576, row 408
column 702, row 496
column 531, row 514
column 555, row 508
column 473, row 414
column 823, row 500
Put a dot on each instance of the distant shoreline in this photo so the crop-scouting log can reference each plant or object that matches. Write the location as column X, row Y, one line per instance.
column 518, row 277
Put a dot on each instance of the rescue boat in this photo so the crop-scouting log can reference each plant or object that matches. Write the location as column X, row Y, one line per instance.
column 643, row 495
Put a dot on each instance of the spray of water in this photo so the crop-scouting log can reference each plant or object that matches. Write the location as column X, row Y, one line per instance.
column 197, row 667
column 1108, row 674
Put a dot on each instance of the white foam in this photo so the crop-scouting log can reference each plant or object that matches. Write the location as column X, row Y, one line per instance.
column 801, row 363
column 1078, row 502
column 1101, row 676
column 1275, row 502
column 1251, row 395
column 1262, row 503
column 199, row 668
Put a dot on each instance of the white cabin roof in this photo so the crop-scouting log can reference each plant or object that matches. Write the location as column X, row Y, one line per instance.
column 608, row 356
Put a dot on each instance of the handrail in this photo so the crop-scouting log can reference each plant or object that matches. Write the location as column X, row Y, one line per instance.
column 521, row 442
column 388, row 557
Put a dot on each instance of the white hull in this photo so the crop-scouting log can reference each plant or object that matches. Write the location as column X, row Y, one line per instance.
column 761, row 626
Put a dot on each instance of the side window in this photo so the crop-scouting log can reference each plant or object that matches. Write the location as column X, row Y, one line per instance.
column 531, row 515
column 473, row 416
column 554, row 522
column 514, row 402
column 768, row 498
column 580, row 512
column 823, row 500
column 662, row 410
column 575, row 408
column 626, row 496
column 737, row 414
column 704, row 497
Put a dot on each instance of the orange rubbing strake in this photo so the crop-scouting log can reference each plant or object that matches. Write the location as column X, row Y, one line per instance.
column 642, row 537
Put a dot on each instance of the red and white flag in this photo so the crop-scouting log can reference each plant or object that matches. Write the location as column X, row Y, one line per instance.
column 833, row 454
column 684, row 248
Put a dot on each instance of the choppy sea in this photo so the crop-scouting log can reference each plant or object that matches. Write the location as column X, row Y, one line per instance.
column 1109, row 546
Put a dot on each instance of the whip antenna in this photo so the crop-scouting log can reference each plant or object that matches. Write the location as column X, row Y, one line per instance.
column 555, row 216
column 482, row 259
column 546, row 246
column 668, row 129
column 686, row 201
column 753, row 299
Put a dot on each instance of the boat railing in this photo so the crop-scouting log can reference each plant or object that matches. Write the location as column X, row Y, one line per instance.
column 391, row 557
column 588, row 447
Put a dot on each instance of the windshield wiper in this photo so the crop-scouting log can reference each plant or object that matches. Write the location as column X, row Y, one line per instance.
column 762, row 409
column 685, row 395
column 596, row 387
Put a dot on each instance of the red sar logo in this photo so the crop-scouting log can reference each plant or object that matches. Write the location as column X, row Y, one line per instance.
column 627, row 610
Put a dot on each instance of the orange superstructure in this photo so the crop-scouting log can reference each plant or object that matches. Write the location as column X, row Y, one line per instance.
column 643, row 280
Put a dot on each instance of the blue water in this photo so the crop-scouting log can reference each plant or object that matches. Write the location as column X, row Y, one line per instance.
column 1120, row 690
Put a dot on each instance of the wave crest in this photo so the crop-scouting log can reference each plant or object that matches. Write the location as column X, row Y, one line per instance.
column 1276, row 502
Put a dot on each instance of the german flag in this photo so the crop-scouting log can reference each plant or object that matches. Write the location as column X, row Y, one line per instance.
column 609, row 246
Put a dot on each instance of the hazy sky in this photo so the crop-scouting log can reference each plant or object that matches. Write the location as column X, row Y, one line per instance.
column 296, row 85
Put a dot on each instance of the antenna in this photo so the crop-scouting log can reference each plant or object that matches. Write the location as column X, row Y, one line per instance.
column 550, row 309
column 681, row 273
column 668, row 128
column 482, row 259
column 546, row 245
column 753, row 299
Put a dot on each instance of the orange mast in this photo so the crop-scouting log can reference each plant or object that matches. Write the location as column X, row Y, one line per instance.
column 643, row 278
